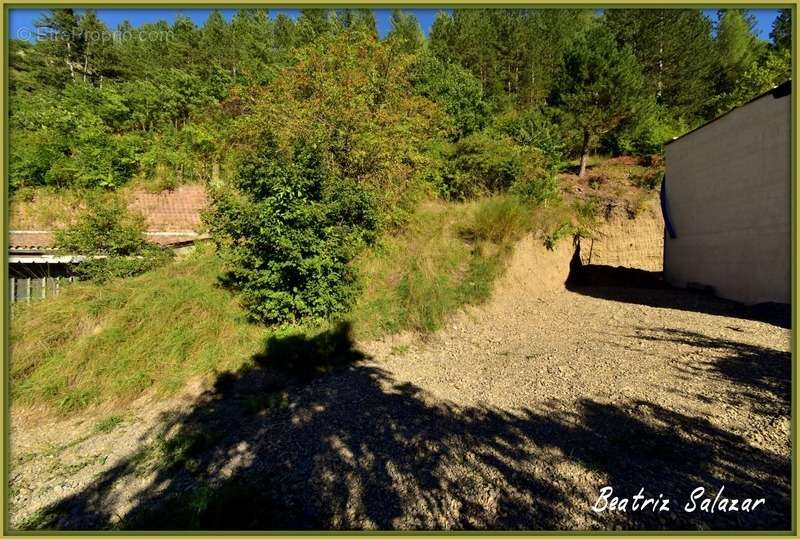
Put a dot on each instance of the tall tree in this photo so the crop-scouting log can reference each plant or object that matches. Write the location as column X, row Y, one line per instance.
column 441, row 36
column 737, row 47
column 467, row 36
column 406, row 32
column 547, row 34
column 313, row 23
column 357, row 19
column 251, row 34
column 514, row 52
column 676, row 50
column 99, row 56
column 285, row 32
column 185, row 44
column 772, row 66
column 62, row 38
column 781, row 34
column 214, row 39
column 601, row 86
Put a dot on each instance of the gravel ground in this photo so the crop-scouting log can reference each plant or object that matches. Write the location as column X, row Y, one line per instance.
column 513, row 417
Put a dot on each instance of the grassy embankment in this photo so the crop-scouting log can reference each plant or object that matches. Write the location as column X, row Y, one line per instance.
column 109, row 344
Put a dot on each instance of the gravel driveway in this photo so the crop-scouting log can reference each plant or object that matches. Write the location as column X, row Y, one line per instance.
column 513, row 417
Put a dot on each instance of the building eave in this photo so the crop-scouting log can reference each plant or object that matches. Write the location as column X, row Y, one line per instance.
column 780, row 90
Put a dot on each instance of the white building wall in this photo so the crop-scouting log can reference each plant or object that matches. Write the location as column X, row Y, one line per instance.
column 728, row 195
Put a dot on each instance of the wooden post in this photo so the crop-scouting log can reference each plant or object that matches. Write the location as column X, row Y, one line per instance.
column 13, row 289
column 28, row 290
column 44, row 287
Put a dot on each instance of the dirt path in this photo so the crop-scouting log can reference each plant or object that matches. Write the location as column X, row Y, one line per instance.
column 513, row 416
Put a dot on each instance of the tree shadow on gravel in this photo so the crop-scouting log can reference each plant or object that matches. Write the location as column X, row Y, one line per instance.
column 762, row 375
column 316, row 436
column 631, row 285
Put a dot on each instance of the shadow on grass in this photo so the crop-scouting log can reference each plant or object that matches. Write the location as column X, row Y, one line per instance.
column 316, row 436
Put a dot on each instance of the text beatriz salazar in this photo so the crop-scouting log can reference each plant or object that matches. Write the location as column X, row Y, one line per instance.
column 699, row 500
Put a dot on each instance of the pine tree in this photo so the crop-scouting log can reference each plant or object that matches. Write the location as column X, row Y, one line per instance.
column 357, row 19
column 512, row 52
column 62, row 38
column 600, row 87
column 311, row 24
column 184, row 48
column 213, row 40
column 285, row 32
column 252, row 40
column 676, row 51
column 737, row 47
column 406, row 32
column 99, row 58
column 781, row 34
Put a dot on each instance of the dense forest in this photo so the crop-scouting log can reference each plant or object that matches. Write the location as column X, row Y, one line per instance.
column 315, row 136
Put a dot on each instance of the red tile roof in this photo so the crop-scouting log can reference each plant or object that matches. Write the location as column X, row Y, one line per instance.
column 30, row 240
column 171, row 217
column 177, row 210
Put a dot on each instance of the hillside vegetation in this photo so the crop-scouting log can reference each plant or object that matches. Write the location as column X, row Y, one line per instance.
column 107, row 343
column 382, row 182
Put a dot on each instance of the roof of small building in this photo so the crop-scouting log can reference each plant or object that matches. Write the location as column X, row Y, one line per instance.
column 174, row 210
column 172, row 218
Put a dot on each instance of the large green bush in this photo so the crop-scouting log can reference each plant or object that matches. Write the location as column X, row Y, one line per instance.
column 289, row 230
column 482, row 164
column 455, row 90
column 331, row 151
column 646, row 134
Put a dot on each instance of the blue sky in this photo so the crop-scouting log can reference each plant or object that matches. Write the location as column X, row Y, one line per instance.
column 21, row 20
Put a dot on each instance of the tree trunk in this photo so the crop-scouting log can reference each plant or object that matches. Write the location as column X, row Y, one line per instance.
column 584, row 154
column 69, row 62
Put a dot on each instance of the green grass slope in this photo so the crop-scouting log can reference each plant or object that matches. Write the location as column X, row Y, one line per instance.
column 95, row 343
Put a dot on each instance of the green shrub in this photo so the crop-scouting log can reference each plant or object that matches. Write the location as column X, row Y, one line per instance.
column 650, row 179
column 498, row 220
column 536, row 190
column 538, row 183
column 435, row 172
column 455, row 90
column 482, row 164
column 552, row 237
column 288, row 231
column 111, row 239
column 646, row 134
column 535, row 129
